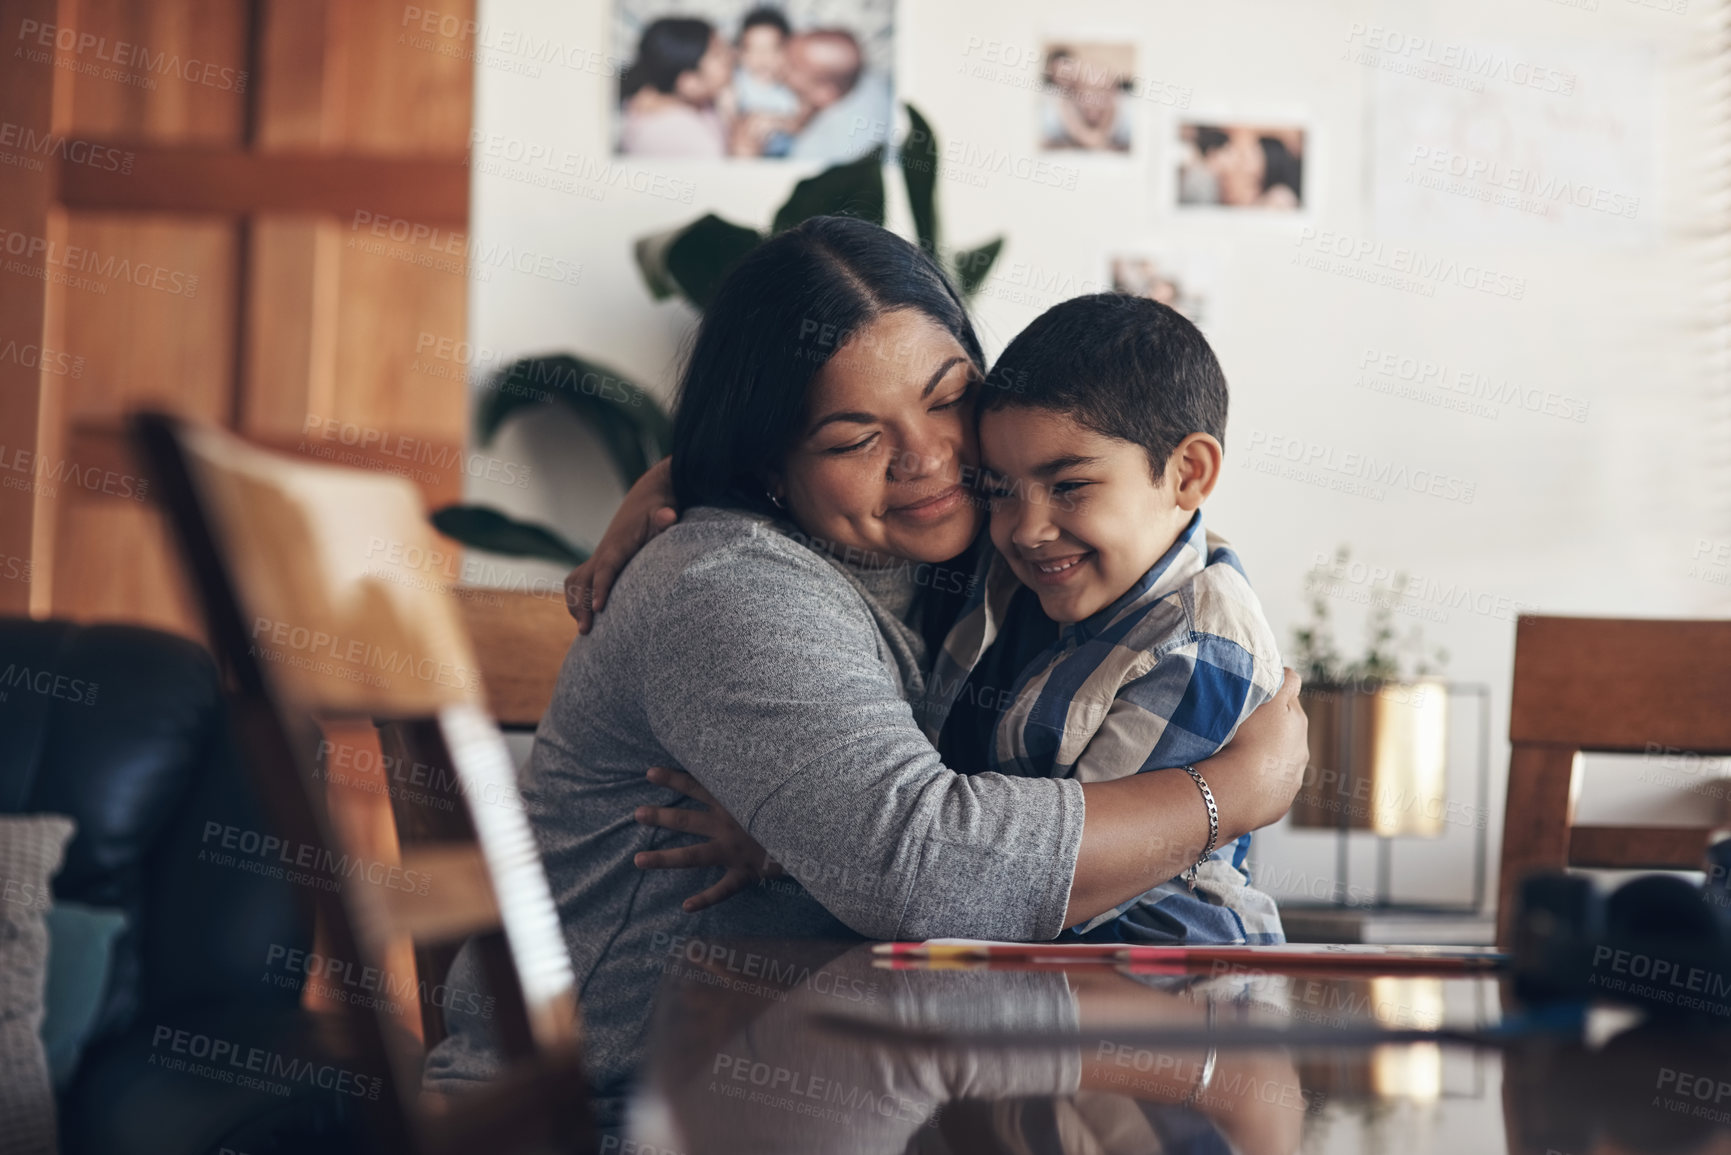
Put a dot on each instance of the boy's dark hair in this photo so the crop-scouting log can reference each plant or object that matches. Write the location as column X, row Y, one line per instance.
column 765, row 16
column 1121, row 365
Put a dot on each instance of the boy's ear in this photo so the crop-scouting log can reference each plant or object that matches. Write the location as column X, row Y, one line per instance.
column 1195, row 470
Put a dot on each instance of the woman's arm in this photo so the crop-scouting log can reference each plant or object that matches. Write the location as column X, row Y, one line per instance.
column 1142, row 830
column 1253, row 780
column 759, row 672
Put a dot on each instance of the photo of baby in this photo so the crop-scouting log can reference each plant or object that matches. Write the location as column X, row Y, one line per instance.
column 729, row 79
column 1241, row 166
column 1087, row 104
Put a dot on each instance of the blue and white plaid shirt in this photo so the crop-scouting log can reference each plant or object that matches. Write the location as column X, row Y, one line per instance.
column 1159, row 679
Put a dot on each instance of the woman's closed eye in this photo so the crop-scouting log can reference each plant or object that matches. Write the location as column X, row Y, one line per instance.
column 854, row 447
column 953, row 403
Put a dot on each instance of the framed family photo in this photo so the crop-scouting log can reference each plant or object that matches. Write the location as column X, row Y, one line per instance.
column 804, row 80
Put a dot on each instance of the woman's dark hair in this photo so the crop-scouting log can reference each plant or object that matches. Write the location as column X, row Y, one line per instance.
column 667, row 48
column 778, row 317
column 1280, row 167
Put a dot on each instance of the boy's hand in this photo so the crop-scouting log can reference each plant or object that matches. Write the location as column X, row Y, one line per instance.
column 728, row 844
column 648, row 509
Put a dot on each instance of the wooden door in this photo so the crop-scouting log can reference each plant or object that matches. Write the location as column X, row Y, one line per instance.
column 246, row 211
column 251, row 212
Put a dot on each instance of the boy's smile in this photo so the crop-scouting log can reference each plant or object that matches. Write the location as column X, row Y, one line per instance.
column 1079, row 516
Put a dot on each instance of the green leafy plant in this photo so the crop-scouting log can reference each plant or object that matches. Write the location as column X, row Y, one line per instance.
column 689, row 262
column 1387, row 655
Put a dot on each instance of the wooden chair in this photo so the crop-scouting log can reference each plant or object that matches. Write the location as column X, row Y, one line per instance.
column 520, row 641
column 1605, row 685
column 305, row 572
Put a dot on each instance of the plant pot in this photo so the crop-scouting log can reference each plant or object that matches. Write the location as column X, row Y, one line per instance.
column 1378, row 758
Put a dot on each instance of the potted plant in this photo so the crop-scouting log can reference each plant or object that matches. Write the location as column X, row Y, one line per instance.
column 1378, row 723
column 689, row 262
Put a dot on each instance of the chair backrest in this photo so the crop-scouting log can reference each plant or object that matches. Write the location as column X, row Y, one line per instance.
column 1605, row 685
column 520, row 642
column 305, row 575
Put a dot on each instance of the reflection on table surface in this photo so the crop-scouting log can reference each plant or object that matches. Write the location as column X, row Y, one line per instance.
column 812, row 1047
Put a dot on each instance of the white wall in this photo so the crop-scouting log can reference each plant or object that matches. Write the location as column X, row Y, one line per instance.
column 1601, row 516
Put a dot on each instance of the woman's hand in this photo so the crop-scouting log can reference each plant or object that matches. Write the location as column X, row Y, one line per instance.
column 1272, row 748
column 647, row 510
column 729, row 845
column 1141, row 830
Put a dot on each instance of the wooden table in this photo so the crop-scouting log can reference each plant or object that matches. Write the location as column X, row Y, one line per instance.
column 774, row 1046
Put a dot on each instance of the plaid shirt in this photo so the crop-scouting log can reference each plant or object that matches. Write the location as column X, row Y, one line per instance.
column 1161, row 678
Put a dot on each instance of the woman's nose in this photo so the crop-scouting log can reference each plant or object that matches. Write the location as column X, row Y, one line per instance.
column 913, row 461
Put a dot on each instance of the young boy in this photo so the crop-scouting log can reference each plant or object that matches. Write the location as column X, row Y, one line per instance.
column 1101, row 435
column 759, row 83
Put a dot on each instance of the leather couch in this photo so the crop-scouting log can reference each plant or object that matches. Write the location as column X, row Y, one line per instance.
column 130, row 737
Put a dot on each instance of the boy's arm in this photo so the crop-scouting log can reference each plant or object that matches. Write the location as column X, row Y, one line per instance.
column 1184, row 709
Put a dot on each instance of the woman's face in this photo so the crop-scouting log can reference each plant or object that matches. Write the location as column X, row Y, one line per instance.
column 889, row 431
column 1241, row 167
column 714, row 71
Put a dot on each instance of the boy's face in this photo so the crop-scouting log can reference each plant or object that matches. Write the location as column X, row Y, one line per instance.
column 760, row 52
column 1079, row 515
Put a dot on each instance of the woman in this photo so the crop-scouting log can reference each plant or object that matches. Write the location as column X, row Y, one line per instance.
column 670, row 94
column 772, row 641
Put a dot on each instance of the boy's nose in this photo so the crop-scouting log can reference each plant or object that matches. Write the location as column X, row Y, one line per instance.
column 1033, row 528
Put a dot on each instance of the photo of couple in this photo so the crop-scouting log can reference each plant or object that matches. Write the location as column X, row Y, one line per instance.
column 1241, row 166
column 714, row 79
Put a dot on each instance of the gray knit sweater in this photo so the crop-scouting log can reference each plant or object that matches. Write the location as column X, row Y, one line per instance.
column 749, row 660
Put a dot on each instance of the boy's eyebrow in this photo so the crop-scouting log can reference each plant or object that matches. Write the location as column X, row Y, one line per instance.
column 1059, row 464
column 857, row 417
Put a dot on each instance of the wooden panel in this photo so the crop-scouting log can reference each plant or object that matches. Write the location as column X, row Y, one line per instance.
column 301, row 52
column 150, row 309
column 520, row 641
column 234, row 183
column 390, row 304
column 31, row 386
column 166, row 342
column 119, row 564
column 403, row 91
column 1609, row 684
column 357, row 789
column 1540, row 810
column 169, row 72
column 103, row 447
column 292, row 317
column 1639, row 847
column 459, row 899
